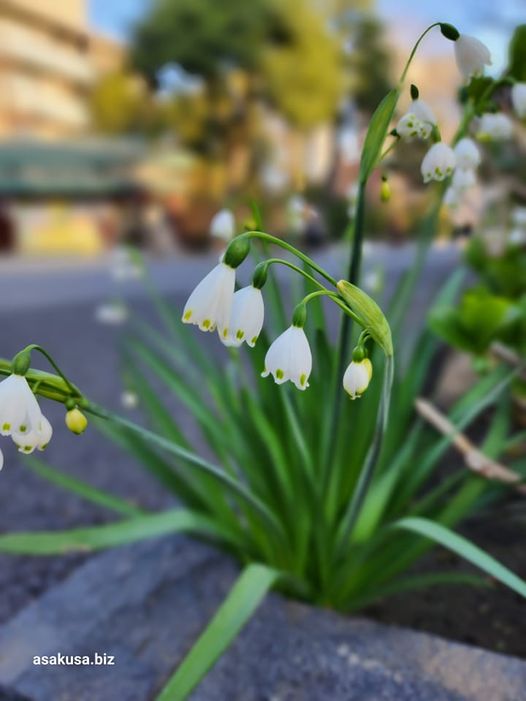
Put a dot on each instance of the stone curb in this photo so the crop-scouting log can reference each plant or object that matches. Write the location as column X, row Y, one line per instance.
column 145, row 604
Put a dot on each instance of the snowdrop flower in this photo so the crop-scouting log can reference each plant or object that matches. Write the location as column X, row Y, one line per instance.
column 223, row 225
column 208, row 307
column 418, row 121
column 463, row 179
column 439, row 162
column 517, row 236
column 19, row 410
column 494, row 127
column 289, row 358
column 471, row 56
column 467, row 154
column 246, row 318
column 518, row 99
column 357, row 377
column 38, row 437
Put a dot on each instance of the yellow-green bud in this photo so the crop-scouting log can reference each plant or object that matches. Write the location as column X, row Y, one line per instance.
column 76, row 421
column 385, row 190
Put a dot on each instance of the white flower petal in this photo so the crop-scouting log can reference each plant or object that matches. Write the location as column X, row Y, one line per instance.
column 210, row 303
column 438, row 163
column 467, row 154
column 409, row 126
column 471, row 56
column 423, row 111
column 246, row 318
column 357, row 377
column 463, row 179
column 495, row 127
column 290, row 358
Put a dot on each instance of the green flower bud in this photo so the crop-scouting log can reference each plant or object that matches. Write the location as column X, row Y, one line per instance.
column 299, row 317
column 385, row 190
column 414, row 92
column 76, row 421
column 236, row 252
column 449, row 31
column 21, row 362
column 259, row 277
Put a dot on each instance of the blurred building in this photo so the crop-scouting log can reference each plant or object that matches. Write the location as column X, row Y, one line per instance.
column 48, row 62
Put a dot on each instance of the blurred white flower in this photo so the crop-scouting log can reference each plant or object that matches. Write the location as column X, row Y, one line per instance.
column 518, row 216
column 223, row 225
column 438, row 163
column 518, row 99
column 467, row 154
column 129, row 399
column 463, row 179
column 471, row 56
column 494, row 127
column 517, row 236
column 246, row 318
column 296, row 213
column 111, row 313
column 352, row 198
column 357, row 377
column 123, row 265
column 209, row 305
column 289, row 358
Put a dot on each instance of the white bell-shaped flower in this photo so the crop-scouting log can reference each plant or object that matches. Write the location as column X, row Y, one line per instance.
column 19, row 409
column 223, row 225
column 38, row 437
column 467, row 154
column 357, row 377
column 438, row 163
column 409, row 126
column 290, row 358
column 463, row 179
column 246, row 318
column 518, row 99
column 495, row 127
column 471, row 56
column 209, row 305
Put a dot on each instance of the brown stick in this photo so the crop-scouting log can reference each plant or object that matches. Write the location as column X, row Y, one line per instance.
column 474, row 458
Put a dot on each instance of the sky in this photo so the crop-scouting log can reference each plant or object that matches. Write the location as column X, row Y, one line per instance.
column 492, row 21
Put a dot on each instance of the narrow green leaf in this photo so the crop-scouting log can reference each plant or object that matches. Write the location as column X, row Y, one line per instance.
column 86, row 491
column 110, row 535
column 235, row 611
column 377, row 132
column 464, row 548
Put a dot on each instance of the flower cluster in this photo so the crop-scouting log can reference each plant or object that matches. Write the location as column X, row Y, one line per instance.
column 238, row 317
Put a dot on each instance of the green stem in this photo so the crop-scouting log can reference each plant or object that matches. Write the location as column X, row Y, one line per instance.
column 219, row 475
column 296, row 268
column 414, row 50
column 288, row 247
column 35, row 347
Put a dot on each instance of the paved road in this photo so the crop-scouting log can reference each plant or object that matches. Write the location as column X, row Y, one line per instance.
column 53, row 304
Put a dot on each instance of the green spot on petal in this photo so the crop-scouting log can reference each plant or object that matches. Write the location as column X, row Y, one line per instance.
column 303, row 379
column 6, row 427
column 206, row 323
column 187, row 315
column 240, row 334
column 280, row 374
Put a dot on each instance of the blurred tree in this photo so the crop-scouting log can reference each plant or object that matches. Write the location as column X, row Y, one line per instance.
column 517, row 54
column 121, row 104
column 369, row 62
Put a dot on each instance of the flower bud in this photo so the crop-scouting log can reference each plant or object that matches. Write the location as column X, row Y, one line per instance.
column 449, row 31
column 357, row 377
column 236, row 252
column 76, row 421
column 385, row 190
column 21, row 362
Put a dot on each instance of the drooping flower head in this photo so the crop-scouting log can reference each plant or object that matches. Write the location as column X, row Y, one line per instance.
column 438, row 163
column 209, row 305
column 246, row 318
column 471, row 56
column 290, row 358
column 357, row 377
column 495, row 127
column 467, row 154
column 463, row 180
